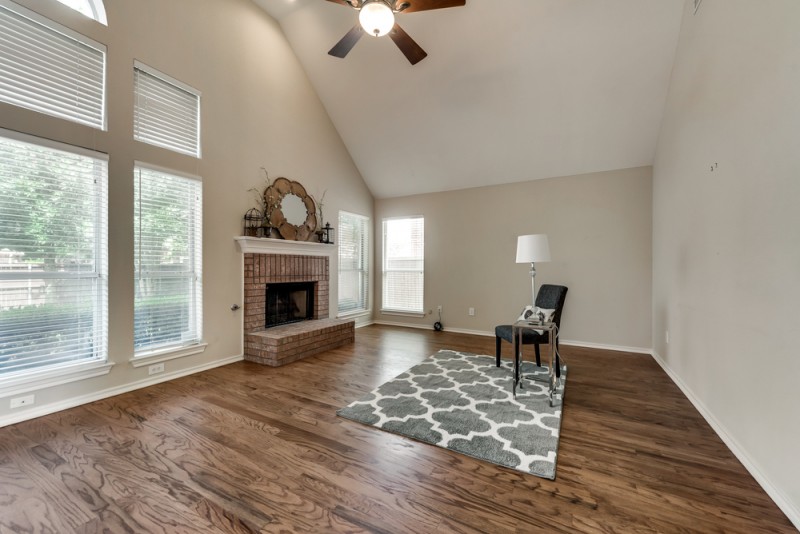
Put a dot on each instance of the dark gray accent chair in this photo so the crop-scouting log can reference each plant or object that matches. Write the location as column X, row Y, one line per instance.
column 550, row 297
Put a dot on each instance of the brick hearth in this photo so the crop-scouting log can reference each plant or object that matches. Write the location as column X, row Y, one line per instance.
column 291, row 342
column 287, row 343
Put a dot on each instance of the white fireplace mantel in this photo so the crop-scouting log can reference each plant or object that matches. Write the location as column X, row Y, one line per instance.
column 266, row 245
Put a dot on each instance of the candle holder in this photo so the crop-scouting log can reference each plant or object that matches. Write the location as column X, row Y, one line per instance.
column 328, row 234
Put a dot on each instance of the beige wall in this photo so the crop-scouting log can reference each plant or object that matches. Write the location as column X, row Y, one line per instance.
column 258, row 109
column 599, row 228
column 727, row 243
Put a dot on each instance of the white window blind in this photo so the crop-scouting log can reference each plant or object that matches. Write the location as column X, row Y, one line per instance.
column 94, row 9
column 168, row 259
column 403, row 264
column 166, row 112
column 53, row 254
column 49, row 68
column 353, row 262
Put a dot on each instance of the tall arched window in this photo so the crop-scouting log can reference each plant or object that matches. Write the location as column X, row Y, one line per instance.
column 93, row 9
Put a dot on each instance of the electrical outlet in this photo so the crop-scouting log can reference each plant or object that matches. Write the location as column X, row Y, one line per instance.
column 666, row 337
column 155, row 369
column 19, row 402
column 472, row 312
column 439, row 308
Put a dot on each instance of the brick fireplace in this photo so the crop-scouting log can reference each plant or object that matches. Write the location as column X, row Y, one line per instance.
column 260, row 270
column 271, row 261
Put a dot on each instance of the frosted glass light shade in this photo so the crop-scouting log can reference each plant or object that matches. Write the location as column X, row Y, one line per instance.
column 532, row 248
column 376, row 18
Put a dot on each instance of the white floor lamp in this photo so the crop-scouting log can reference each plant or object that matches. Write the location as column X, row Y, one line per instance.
column 533, row 248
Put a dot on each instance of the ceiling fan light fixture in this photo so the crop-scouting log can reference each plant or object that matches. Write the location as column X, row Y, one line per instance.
column 376, row 18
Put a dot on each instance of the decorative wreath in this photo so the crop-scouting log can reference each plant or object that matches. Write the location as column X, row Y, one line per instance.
column 273, row 196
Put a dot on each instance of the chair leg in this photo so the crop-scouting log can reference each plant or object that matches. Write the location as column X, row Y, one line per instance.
column 497, row 349
column 538, row 356
column 558, row 362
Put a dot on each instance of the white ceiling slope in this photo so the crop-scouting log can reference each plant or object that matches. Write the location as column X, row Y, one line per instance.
column 511, row 90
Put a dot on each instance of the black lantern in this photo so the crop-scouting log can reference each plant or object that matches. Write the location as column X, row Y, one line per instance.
column 328, row 233
column 252, row 222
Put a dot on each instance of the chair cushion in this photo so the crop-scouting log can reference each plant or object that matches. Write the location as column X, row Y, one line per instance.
column 505, row 331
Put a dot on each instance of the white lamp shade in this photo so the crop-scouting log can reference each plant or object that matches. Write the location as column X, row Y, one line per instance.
column 532, row 248
column 376, row 18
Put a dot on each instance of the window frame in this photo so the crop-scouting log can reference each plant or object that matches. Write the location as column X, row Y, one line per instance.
column 384, row 270
column 97, row 8
column 32, row 379
column 162, row 352
column 19, row 100
column 180, row 86
column 363, row 262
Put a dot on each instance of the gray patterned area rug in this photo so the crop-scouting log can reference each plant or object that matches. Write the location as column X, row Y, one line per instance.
column 463, row 402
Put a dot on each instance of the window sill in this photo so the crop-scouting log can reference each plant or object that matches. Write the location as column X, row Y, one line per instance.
column 353, row 314
column 170, row 353
column 48, row 378
column 403, row 313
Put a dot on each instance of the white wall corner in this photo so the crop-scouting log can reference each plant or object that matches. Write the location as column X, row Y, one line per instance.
column 786, row 506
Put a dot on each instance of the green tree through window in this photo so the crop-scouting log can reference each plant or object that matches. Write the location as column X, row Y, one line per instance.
column 53, row 303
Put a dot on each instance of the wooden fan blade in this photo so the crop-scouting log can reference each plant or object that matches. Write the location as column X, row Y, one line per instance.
column 413, row 52
column 343, row 47
column 427, row 5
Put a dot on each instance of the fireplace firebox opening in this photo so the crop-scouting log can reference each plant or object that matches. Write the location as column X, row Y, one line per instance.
column 289, row 303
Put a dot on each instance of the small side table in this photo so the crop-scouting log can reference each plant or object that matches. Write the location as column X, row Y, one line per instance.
column 554, row 378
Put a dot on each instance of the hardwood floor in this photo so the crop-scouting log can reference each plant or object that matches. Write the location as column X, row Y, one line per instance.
column 246, row 448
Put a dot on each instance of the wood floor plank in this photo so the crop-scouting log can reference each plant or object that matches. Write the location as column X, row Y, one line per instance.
column 26, row 508
column 25, row 478
column 246, row 448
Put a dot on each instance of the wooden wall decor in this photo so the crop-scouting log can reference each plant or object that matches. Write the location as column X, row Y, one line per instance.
column 274, row 197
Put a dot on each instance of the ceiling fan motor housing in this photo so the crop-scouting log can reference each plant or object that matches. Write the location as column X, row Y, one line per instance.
column 376, row 17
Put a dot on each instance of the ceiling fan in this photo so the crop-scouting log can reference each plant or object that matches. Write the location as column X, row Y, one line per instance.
column 376, row 17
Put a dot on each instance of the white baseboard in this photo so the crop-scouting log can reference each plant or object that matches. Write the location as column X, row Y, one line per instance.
column 618, row 348
column 404, row 325
column 33, row 413
column 786, row 506
column 467, row 331
column 430, row 327
column 587, row 344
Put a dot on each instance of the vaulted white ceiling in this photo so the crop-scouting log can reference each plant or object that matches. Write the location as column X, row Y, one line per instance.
column 511, row 90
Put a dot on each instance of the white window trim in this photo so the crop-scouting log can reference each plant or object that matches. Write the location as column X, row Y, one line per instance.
column 185, row 87
column 165, row 354
column 179, row 350
column 402, row 313
column 52, row 376
column 354, row 313
column 167, row 170
column 391, row 311
column 368, row 309
column 165, row 77
column 53, row 25
column 55, row 145
column 98, row 10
